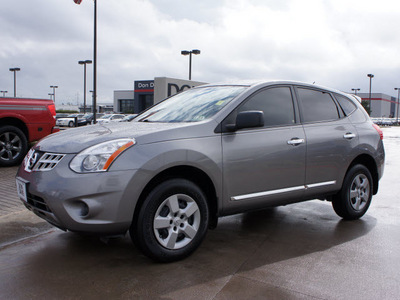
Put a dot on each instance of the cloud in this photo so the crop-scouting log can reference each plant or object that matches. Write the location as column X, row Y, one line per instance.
column 333, row 42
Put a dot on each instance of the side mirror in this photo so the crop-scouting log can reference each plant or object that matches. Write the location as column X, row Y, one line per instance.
column 247, row 119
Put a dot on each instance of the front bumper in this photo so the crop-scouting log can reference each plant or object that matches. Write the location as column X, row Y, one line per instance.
column 90, row 203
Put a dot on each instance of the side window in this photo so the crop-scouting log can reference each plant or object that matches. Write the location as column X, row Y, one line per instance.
column 347, row 106
column 276, row 103
column 317, row 106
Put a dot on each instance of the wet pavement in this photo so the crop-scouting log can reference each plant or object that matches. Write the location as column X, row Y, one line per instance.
column 300, row 251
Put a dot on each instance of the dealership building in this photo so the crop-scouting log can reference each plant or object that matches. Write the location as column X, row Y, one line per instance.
column 149, row 92
column 382, row 105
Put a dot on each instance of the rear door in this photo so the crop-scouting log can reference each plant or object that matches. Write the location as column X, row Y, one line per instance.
column 330, row 140
column 264, row 166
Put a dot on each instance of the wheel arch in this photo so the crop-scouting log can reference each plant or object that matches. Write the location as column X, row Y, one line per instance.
column 9, row 121
column 191, row 173
column 367, row 161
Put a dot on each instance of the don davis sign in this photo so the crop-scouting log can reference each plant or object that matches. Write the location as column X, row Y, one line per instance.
column 144, row 85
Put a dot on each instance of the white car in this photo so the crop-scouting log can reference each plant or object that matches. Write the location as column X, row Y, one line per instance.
column 69, row 120
column 110, row 118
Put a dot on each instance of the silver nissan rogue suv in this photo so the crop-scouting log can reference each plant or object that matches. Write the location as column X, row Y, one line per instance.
column 211, row 151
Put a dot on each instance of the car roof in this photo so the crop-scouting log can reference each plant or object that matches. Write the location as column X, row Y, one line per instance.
column 264, row 83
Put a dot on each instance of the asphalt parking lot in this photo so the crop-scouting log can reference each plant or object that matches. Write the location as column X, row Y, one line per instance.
column 300, row 251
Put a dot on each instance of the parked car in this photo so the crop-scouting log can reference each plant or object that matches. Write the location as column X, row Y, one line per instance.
column 69, row 121
column 23, row 121
column 211, row 151
column 110, row 118
column 86, row 119
column 61, row 115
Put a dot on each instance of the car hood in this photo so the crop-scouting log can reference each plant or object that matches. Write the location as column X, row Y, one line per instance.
column 78, row 139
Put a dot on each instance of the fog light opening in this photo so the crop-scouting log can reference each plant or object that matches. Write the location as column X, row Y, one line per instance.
column 84, row 209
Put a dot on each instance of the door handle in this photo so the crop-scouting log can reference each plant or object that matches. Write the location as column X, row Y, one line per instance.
column 349, row 136
column 295, row 141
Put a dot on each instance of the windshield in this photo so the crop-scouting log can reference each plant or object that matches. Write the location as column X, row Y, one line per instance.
column 106, row 117
column 192, row 105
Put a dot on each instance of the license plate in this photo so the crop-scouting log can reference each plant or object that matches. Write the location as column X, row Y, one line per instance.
column 21, row 189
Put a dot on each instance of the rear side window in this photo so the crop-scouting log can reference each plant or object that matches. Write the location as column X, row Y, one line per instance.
column 276, row 103
column 347, row 106
column 317, row 106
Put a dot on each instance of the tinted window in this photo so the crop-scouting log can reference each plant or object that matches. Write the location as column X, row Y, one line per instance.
column 317, row 106
column 276, row 103
column 347, row 106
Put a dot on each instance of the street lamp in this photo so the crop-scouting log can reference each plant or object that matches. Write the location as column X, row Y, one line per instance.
column 51, row 95
column 185, row 52
column 84, row 63
column 355, row 91
column 54, row 87
column 4, row 93
column 15, row 79
column 370, row 86
column 94, row 57
column 398, row 96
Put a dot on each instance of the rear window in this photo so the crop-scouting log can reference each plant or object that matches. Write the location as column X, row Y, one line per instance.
column 346, row 104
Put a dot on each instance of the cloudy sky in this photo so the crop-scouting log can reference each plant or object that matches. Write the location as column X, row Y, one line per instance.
column 335, row 43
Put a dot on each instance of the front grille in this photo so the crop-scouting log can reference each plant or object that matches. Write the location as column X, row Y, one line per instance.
column 37, row 160
column 48, row 161
column 38, row 202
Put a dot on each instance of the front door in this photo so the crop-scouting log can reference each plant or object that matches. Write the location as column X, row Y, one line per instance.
column 265, row 165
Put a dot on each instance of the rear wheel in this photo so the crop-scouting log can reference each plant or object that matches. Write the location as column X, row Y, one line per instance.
column 172, row 222
column 71, row 124
column 13, row 146
column 353, row 200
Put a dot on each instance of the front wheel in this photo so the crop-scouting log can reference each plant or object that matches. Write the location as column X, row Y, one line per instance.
column 172, row 221
column 354, row 198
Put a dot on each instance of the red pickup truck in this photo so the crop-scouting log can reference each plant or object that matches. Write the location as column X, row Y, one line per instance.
column 23, row 121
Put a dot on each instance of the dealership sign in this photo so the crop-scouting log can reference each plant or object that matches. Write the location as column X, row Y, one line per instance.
column 144, row 86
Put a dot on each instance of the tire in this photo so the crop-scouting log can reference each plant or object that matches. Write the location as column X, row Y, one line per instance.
column 71, row 124
column 13, row 146
column 172, row 221
column 353, row 200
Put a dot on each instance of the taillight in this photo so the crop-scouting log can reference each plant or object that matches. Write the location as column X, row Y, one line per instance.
column 52, row 109
column 377, row 128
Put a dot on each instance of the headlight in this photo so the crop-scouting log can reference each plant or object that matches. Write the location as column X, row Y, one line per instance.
column 99, row 158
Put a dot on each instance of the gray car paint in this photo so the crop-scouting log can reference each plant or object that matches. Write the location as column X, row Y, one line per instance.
column 231, row 160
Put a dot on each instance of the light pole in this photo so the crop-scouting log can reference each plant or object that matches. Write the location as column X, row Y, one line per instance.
column 54, row 87
column 51, row 96
column 91, row 92
column 4, row 93
column 185, row 52
column 95, row 62
column 355, row 91
column 15, row 79
column 398, row 96
column 94, row 57
column 370, row 87
column 84, row 63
